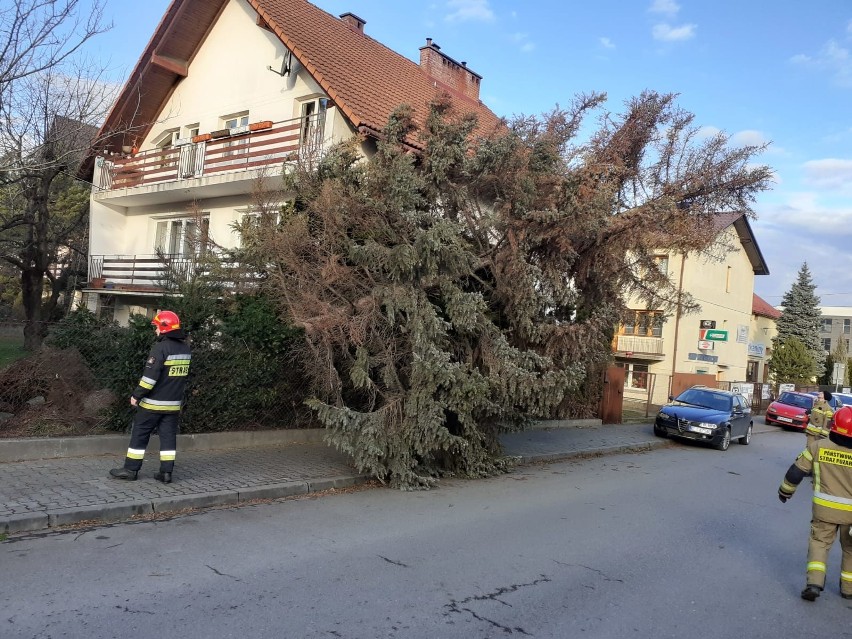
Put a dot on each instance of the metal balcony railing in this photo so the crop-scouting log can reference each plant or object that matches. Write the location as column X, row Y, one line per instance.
column 148, row 273
column 229, row 151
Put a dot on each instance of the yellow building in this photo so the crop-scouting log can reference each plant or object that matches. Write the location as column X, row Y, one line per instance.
column 720, row 342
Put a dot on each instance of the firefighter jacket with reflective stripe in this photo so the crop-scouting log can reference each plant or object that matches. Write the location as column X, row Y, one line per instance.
column 819, row 420
column 831, row 466
column 163, row 381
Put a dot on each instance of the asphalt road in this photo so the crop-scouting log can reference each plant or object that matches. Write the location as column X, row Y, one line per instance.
column 677, row 542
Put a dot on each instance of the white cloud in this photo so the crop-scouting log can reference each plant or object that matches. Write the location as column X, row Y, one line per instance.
column 667, row 7
column 833, row 58
column 706, row 132
column 465, row 10
column 607, row 43
column 668, row 33
column 749, row 137
column 523, row 41
column 831, row 173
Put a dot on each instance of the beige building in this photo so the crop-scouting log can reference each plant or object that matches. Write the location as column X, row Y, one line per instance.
column 725, row 341
column 226, row 93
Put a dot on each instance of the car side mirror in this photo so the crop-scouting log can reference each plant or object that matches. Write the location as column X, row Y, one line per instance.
column 807, row 411
column 671, row 398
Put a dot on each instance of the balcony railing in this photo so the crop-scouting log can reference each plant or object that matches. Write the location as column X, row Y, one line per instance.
column 149, row 273
column 230, row 151
column 636, row 345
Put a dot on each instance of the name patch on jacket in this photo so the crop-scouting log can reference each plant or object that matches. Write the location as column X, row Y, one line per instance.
column 837, row 457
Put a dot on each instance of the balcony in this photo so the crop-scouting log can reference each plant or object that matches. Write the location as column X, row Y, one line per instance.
column 634, row 346
column 217, row 164
column 146, row 274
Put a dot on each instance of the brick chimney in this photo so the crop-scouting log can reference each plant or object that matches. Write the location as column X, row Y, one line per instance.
column 444, row 69
column 353, row 21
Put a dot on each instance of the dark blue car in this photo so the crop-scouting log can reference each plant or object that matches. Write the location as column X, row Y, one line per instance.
column 706, row 415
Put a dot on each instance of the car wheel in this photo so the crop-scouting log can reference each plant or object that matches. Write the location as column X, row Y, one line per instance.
column 660, row 432
column 745, row 440
column 726, row 440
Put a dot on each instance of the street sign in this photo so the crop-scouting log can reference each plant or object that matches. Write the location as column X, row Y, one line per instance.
column 716, row 336
column 705, row 345
column 708, row 323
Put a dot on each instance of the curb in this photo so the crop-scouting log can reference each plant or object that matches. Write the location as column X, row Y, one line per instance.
column 641, row 447
column 122, row 511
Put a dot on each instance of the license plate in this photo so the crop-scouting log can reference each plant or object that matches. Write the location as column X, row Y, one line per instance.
column 784, row 419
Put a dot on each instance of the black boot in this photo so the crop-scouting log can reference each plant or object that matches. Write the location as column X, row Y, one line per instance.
column 811, row 592
column 166, row 478
column 124, row 473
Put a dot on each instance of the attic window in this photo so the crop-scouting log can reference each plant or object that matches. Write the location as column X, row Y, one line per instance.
column 167, row 138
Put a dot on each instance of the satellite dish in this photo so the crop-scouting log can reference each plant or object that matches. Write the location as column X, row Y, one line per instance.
column 286, row 64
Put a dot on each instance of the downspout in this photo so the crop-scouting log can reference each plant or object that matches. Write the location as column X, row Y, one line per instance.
column 677, row 318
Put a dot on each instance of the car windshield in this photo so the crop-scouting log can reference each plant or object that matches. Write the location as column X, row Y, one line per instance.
column 705, row 399
column 799, row 401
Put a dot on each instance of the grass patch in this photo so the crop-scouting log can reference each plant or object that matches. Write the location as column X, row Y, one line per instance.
column 11, row 349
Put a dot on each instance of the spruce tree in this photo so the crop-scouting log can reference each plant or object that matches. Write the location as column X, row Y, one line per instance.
column 801, row 319
column 458, row 283
column 792, row 362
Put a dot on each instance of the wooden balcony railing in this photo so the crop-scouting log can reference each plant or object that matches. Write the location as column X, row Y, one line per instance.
column 234, row 151
column 149, row 273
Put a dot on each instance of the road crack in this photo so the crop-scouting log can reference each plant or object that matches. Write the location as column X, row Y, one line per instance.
column 460, row 606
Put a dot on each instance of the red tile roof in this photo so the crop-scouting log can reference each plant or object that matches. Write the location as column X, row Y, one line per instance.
column 761, row 307
column 364, row 78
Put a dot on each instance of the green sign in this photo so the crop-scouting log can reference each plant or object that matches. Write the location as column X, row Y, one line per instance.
column 715, row 336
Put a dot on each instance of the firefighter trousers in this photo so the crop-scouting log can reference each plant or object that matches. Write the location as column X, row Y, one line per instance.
column 144, row 424
column 821, row 540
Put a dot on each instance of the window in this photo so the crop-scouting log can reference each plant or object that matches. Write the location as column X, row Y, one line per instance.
column 238, row 121
column 826, row 344
column 847, row 326
column 167, row 138
column 751, row 372
column 235, row 123
column 826, row 325
column 182, row 237
column 636, row 376
column 644, row 324
column 313, row 123
column 662, row 262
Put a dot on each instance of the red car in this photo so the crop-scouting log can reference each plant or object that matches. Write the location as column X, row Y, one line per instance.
column 790, row 410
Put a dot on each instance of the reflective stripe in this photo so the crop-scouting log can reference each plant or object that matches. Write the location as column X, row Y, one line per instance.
column 807, row 455
column 816, row 566
column 787, row 487
column 182, row 358
column 147, row 382
column 135, row 453
column 162, row 402
column 846, row 576
column 839, row 500
column 832, row 502
column 167, row 455
column 157, row 405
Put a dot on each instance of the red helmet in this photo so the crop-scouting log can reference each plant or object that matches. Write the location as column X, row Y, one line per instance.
column 166, row 321
column 842, row 424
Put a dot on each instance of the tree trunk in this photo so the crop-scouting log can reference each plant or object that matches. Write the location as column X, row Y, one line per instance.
column 31, row 291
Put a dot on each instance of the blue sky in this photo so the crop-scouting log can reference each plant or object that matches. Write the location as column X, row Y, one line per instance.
column 777, row 72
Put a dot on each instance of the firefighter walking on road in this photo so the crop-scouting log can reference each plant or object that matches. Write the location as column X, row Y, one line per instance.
column 158, row 399
column 819, row 421
column 829, row 461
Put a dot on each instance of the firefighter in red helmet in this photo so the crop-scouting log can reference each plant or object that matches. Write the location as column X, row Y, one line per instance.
column 829, row 461
column 158, row 398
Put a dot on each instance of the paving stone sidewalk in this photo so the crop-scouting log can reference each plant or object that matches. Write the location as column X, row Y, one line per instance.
column 47, row 493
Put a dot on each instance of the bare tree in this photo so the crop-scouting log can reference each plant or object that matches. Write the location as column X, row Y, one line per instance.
column 51, row 103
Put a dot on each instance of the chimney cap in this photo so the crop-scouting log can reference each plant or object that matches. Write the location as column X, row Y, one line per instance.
column 354, row 20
